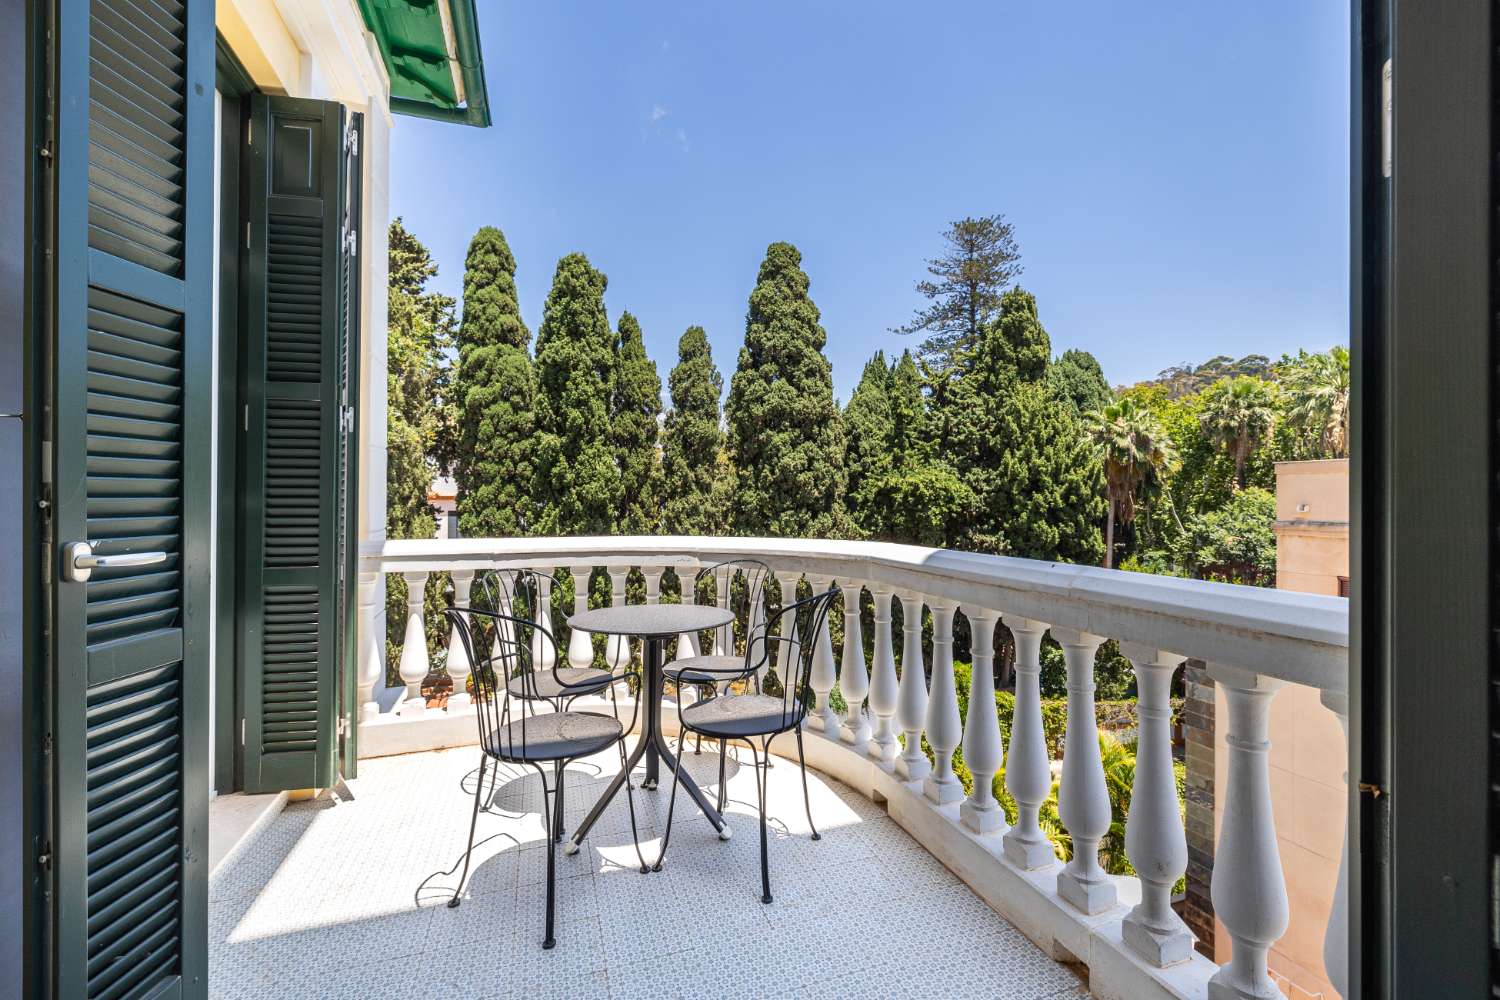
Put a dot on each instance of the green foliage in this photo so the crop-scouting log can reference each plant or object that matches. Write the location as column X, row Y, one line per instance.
column 496, row 396
column 1236, row 543
column 1187, row 379
column 979, row 259
column 577, row 485
column 867, row 441
column 1017, row 338
column 692, row 441
column 633, row 422
column 1317, row 395
column 1238, row 415
column 1077, row 378
column 1135, row 448
column 921, row 504
column 910, row 424
column 786, row 440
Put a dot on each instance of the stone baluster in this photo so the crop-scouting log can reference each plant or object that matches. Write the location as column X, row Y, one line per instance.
column 1083, row 797
column 652, row 576
column 1247, row 888
column 723, row 594
column 543, row 654
column 1154, row 839
column 824, row 672
column 581, row 643
column 788, row 580
column 884, row 689
column 687, row 642
column 854, row 680
column 414, row 662
column 1336, row 936
column 983, row 749
column 944, row 724
column 617, row 649
column 911, row 712
column 459, row 667
column 1028, row 777
column 372, row 643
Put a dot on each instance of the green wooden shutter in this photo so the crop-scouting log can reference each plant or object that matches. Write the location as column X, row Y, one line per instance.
column 292, row 631
column 129, row 389
column 351, row 177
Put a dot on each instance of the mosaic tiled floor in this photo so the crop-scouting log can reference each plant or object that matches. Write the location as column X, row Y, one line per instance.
column 328, row 901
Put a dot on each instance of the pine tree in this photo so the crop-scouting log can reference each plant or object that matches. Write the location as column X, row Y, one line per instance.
column 868, row 430
column 785, row 437
column 1020, row 449
column 910, row 426
column 692, row 441
column 496, row 397
column 577, row 485
column 980, row 258
column 633, row 422
column 1077, row 378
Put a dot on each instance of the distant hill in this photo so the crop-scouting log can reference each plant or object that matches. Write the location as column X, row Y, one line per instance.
column 1186, row 379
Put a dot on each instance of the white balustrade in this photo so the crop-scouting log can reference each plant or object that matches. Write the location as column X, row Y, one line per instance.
column 687, row 642
column 911, row 710
column 459, row 667
column 617, row 647
column 414, row 662
column 1303, row 636
column 371, row 643
column 1336, row 936
column 1028, row 777
column 944, row 725
column 824, row 673
column 543, row 653
column 788, row 580
column 854, row 680
column 1247, row 888
column 1083, row 797
column 983, row 749
column 581, row 643
column 1154, row 839
column 884, row 687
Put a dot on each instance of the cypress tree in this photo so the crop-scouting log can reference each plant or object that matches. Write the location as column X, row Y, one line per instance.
column 1023, row 344
column 496, row 396
column 633, row 422
column 910, row 427
column 577, row 485
column 867, row 428
column 692, row 440
column 1077, row 378
column 786, row 441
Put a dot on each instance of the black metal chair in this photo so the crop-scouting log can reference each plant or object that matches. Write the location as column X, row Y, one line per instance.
column 763, row 716
column 738, row 585
column 500, row 645
column 500, row 590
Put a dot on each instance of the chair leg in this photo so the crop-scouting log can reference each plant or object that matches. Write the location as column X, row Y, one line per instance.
column 473, row 823
column 635, row 837
column 762, row 778
column 557, row 816
column 806, row 799
column 666, row 836
column 723, row 791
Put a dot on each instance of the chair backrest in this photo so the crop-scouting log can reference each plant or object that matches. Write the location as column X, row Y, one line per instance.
column 800, row 622
column 501, row 648
column 507, row 591
column 737, row 585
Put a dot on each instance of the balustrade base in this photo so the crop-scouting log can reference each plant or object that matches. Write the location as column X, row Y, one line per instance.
column 987, row 820
column 1092, row 896
column 943, row 790
column 1224, row 986
column 856, row 737
column 913, row 766
column 1032, row 855
column 1162, row 947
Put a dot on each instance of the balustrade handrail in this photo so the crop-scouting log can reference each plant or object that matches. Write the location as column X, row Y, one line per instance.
column 1296, row 637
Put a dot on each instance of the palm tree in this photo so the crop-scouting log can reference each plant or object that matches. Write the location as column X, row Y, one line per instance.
column 1238, row 415
column 1134, row 447
column 1319, row 388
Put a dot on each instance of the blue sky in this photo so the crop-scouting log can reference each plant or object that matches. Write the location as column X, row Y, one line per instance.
column 1177, row 173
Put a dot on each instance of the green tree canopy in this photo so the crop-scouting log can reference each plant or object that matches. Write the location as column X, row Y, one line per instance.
column 786, row 440
column 1021, row 342
column 921, row 503
column 1235, row 543
column 577, row 485
column 692, row 440
column 979, row 259
column 1134, row 447
column 1238, row 416
column 633, row 421
column 1317, row 387
column 1077, row 378
column 867, row 431
column 496, row 396
column 910, row 426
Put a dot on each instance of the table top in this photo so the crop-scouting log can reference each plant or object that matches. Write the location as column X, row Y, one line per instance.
column 651, row 619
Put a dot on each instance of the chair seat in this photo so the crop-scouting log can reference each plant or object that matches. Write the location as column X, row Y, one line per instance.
column 549, row 684
column 704, row 669
column 554, row 736
column 740, row 715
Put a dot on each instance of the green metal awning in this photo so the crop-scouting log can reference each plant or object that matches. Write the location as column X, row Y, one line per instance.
column 431, row 53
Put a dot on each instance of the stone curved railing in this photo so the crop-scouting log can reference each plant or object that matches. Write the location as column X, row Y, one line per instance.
column 1252, row 640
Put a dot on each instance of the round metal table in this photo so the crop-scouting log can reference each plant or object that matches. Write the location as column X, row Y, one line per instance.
column 655, row 625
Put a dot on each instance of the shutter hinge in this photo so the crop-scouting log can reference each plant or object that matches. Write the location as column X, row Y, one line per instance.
column 351, row 242
column 44, row 859
column 351, row 139
column 242, row 732
column 343, row 726
column 45, row 152
column 247, row 236
column 247, row 418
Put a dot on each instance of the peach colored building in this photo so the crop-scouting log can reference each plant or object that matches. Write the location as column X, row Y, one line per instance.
column 1308, row 752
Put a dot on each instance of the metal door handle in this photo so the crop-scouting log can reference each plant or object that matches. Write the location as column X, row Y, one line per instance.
column 79, row 560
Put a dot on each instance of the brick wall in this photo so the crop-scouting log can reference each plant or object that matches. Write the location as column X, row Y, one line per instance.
column 1197, row 910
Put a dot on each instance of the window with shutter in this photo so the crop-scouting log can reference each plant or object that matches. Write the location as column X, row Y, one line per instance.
column 131, row 189
column 294, row 629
